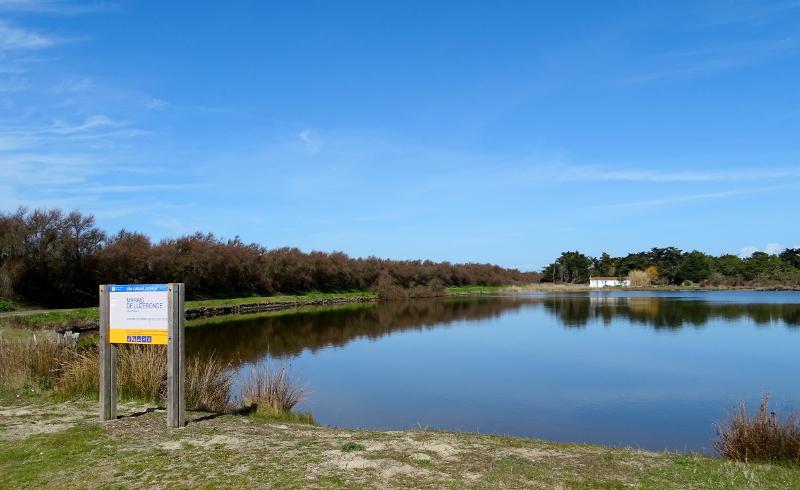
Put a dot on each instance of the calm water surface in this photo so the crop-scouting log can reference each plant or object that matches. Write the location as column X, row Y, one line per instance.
column 650, row 370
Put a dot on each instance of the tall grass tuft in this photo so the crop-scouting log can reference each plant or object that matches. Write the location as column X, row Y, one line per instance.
column 72, row 373
column 34, row 363
column 761, row 437
column 81, row 376
column 272, row 391
column 142, row 373
column 208, row 384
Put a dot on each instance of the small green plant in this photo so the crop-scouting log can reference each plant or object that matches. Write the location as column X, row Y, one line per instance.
column 291, row 417
column 5, row 305
column 687, row 283
column 349, row 447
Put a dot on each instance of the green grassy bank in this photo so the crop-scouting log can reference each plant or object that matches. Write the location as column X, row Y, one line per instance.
column 77, row 317
column 60, row 445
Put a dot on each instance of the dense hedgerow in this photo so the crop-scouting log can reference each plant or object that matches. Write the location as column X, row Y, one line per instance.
column 54, row 258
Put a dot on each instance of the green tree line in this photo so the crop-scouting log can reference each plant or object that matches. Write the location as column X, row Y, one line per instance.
column 671, row 265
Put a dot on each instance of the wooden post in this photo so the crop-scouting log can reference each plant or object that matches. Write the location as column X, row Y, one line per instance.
column 108, row 362
column 176, row 401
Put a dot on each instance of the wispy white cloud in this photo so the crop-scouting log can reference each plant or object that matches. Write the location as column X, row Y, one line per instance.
column 154, row 103
column 13, row 83
column 686, row 198
column 716, row 14
column 90, row 123
column 15, row 38
column 774, row 248
column 96, row 128
column 684, row 65
column 74, row 85
column 58, row 7
column 310, row 140
column 46, row 168
column 133, row 188
column 596, row 173
column 770, row 248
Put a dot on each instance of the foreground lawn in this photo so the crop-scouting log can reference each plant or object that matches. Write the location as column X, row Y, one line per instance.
column 60, row 445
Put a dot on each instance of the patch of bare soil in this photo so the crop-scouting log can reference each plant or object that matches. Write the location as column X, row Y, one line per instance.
column 20, row 422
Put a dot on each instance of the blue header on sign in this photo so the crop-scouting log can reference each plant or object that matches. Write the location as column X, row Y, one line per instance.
column 137, row 288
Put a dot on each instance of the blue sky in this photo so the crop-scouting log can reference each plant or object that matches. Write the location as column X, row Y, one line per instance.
column 504, row 132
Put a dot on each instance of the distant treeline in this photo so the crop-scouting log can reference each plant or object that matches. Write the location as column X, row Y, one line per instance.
column 54, row 258
column 671, row 265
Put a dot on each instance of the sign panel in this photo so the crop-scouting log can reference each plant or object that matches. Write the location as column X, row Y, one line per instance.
column 138, row 314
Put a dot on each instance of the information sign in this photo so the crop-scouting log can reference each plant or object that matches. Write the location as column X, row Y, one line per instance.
column 138, row 314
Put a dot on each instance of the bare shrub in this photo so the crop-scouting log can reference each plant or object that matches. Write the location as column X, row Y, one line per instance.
column 639, row 278
column 272, row 391
column 761, row 437
column 652, row 273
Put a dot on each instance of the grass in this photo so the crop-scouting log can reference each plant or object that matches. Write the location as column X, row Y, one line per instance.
column 760, row 437
column 271, row 390
column 295, row 298
column 142, row 376
column 68, row 372
column 291, row 417
column 90, row 316
column 474, row 289
column 244, row 317
column 33, row 364
column 352, row 446
column 243, row 452
column 52, row 320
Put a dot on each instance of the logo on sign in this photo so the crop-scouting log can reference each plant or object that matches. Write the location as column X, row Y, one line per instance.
column 146, row 339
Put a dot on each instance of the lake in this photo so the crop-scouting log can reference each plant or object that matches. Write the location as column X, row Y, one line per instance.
column 653, row 370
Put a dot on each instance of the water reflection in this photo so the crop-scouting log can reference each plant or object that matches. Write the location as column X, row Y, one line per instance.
column 572, row 367
column 665, row 312
column 247, row 338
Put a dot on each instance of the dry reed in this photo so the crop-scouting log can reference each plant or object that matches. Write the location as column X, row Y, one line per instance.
column 73, row 373
column 34, row 363
column 272, row 391
column 208, row 385
column 761, row 437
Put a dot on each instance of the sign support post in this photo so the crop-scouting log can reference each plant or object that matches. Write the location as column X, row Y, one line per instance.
column 108, row 361
column 176, row 375
column 144, row 314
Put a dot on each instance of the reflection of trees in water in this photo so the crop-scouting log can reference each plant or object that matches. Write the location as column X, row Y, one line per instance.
column 665, row 313
column 249, row 338
column 289, row 333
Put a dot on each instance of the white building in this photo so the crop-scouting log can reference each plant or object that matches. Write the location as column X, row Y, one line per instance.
column 613, row 282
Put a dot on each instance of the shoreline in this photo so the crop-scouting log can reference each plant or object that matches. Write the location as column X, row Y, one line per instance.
column 239, row 451
column 87, row 319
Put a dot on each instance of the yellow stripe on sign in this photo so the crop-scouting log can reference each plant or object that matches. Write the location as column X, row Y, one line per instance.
column 137, row 336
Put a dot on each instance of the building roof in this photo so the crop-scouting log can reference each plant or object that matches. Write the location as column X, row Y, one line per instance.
column 605, row 278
